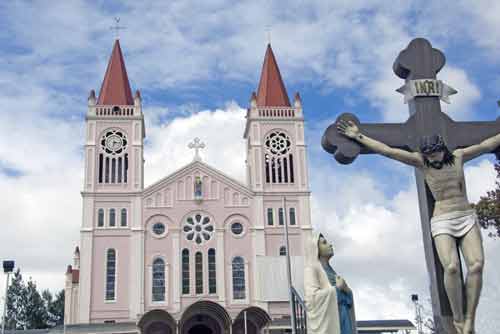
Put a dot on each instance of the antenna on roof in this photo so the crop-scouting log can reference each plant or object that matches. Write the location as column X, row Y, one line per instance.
column 116, row 27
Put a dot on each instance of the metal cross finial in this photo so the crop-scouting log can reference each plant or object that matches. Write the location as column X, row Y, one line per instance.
column 117, row 27
column 268, row 33
column 196, row 144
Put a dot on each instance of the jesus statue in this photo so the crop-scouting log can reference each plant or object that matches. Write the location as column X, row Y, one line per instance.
column 453, row 220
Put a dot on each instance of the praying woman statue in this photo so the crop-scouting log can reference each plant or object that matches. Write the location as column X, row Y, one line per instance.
column 328, row 298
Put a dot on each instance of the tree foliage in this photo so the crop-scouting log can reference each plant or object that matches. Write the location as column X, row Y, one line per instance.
column 28, row 309
column 488, row 208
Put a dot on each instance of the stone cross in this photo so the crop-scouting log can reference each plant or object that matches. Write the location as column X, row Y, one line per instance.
column 197, row 145
column 418, row 63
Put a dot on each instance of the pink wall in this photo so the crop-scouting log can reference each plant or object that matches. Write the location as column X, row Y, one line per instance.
column 101, row 309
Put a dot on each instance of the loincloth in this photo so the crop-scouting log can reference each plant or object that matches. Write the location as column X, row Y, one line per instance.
column 456, row 223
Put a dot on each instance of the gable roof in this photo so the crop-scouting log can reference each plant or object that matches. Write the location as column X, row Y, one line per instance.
column 222, row 177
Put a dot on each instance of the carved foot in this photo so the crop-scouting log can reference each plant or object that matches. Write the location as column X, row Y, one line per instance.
column 468, row 326
column 459, row 326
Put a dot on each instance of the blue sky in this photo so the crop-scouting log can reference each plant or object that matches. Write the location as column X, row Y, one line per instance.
column 196, row 65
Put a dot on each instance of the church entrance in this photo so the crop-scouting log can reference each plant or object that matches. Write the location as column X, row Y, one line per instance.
column 201, row 324
column 200, row 329
column 157, row 322
column 205, row 317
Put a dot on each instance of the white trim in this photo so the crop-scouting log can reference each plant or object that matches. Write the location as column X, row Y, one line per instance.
column 109, row 301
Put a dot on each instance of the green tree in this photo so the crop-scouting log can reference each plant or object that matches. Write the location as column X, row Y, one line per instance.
column 36, row 311
column 488, row 208
column 15, row 317
column 55, row 307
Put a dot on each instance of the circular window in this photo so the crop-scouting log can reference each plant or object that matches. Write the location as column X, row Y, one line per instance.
column 159, row 229
column 198, row 228
column 236, row 228
column 278, row 143
column 113, row 142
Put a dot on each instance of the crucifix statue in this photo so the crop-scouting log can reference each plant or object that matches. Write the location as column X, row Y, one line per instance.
column 196, row 145
column 437, row 147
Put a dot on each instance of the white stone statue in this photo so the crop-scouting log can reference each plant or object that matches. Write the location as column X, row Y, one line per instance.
column 328, row 298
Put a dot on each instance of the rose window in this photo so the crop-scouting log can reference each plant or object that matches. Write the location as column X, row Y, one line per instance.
column 198, row 228
column 278, row 143
column 114, row 142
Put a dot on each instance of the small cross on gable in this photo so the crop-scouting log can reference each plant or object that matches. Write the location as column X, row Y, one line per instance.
column 196, row 145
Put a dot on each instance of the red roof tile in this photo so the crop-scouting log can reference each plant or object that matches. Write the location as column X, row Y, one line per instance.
column 115, row 89
column 271, row 91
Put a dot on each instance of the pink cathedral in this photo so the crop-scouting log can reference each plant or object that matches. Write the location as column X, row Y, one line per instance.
column 197, row 251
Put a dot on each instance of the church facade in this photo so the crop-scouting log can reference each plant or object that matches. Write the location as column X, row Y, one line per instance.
column 196, row 251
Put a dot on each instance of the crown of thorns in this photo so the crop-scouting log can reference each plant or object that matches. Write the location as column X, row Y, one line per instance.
column 431, row 144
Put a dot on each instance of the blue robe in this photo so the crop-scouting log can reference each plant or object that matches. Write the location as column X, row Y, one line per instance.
column 344, row 301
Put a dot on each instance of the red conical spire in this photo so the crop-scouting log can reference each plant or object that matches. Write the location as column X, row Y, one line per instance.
column 272, row 91
column 115, row 87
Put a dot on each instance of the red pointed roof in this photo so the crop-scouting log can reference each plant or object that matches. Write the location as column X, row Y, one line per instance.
column 271, row 91
column 115, row 89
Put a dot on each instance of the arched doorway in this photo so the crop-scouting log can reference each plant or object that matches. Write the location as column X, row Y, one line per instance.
column 157, row 322
column 256, row 318
column 205, row 317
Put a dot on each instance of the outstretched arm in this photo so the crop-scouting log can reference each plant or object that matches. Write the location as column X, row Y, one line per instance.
column 486, row 146
column 351, row 130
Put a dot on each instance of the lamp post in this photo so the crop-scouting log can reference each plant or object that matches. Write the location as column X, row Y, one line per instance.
column 418, row 314
column 8, row 267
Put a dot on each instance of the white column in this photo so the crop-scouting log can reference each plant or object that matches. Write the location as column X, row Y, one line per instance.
column 136, row 264
column 221, row 270
column 176, row 272
column 85, row 276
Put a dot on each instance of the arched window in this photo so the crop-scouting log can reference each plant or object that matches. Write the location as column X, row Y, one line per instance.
column 292, row 216
column 100, row 217
column 270, row 217
column 198, row 272
column 278, row 158
column 158, row 284
column 212, row 272
column 110, row 274
column 185, row 271
column 282, row 251
column 112, row 217
column 238, row 278
column 123, row 219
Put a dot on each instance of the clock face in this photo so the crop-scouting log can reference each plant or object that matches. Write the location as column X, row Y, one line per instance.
column 114, row 142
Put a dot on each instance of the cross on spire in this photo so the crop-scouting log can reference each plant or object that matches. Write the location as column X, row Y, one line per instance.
column 196, row 145
column 116, row 27
column 268, row 33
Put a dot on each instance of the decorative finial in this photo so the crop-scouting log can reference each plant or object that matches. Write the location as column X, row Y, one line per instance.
column 268, row 33
column 117, row 27
column 196, row 144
